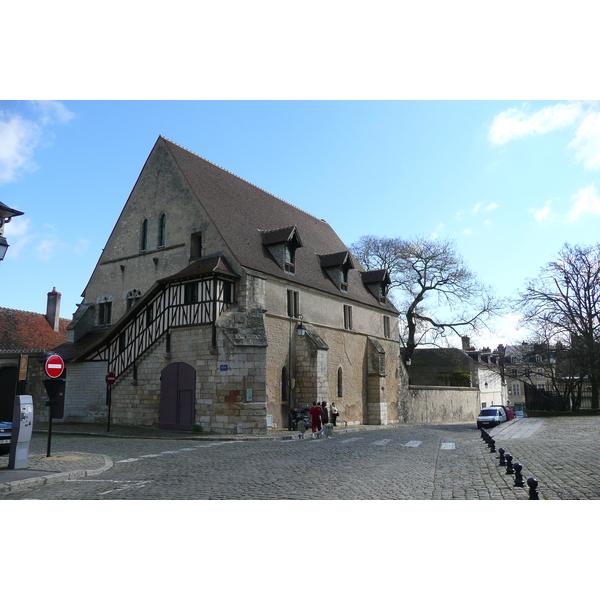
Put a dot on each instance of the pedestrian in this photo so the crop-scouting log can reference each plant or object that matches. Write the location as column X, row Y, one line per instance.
column 334, row 414
column 302, row 427
column 324, row 417
column 315, row 419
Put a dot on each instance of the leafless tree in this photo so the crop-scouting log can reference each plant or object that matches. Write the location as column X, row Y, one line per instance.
column 435, row 291
column 564, row 302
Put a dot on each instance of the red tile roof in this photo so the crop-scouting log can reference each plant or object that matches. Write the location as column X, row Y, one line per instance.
column 26, row 331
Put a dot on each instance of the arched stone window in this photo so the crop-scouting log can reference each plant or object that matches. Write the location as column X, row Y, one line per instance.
column 162, row 230
column 144, row 236
column 132, row 297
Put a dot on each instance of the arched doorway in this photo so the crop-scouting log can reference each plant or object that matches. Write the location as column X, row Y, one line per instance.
column 8, row 389
column 177, row 397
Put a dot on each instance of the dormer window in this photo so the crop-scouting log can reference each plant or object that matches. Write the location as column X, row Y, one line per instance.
column 377, row 282
column 282, row 245
column 337, row 266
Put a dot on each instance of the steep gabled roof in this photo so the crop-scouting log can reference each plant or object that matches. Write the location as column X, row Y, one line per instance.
column 244, row 214
column 25, row 332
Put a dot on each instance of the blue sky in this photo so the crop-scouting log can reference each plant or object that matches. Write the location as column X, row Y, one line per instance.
column 510, row 181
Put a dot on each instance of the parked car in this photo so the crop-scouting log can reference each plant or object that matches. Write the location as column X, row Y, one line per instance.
column 5, row 435
column 489, row 417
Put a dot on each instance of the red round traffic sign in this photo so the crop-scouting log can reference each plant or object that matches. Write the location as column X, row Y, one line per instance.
column 110, row 378
column 55, row 366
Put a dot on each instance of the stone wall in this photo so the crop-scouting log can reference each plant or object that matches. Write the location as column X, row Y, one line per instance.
column 433, row 404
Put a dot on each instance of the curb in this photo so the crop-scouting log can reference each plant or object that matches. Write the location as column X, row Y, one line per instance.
column 37, row 482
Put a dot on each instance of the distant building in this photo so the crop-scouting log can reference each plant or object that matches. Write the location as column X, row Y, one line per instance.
column 26, row 338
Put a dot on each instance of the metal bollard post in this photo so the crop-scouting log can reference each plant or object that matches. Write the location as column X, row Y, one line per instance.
column 533, row 493
column 509, row 466
column 493, row 447
column 519, row 481
column 502, row 462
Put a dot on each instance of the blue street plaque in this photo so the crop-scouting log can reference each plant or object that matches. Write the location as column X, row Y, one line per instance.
column 223, row 367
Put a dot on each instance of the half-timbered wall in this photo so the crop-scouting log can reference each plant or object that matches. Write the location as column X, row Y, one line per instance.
column 170, row 309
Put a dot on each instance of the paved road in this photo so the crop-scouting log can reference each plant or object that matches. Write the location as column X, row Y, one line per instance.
column 436, row 461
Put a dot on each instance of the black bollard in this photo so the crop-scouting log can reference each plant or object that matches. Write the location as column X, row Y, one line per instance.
column 482, row 432
column 502, row 462
column 509, row 466
column 493, row 447
column 533, row 493
column 519, row 481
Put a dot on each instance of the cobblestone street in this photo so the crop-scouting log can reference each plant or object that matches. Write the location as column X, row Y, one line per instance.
column 416, row 462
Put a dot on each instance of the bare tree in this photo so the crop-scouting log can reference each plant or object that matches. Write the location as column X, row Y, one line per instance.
column 432, row 285
column 564, row 302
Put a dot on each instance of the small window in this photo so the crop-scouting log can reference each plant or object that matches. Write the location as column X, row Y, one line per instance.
column 104, row 313
column 340, row 383
column 293, row 304
column 144, row 236
column 516, row 388
column 149, row 315
column 228, row 292
column 386, row 327
column 122, row 342
column 196, row 245
column 190, row 293
column 162, row 230
column 347, row 317
column 344, row 279
column 382, row 293
column 290, row 258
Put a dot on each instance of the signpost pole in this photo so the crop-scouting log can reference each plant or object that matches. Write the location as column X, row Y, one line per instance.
column 49, row 430
column 110, row 379
column 109, row 402
column 54, row 368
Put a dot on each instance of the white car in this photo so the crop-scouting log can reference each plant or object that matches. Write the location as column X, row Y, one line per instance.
column 489, row 417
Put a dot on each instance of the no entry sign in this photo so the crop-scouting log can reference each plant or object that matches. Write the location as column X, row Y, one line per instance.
column 55, row 366
column 110, row 378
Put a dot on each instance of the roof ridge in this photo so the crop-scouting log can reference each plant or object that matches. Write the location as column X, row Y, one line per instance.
column 242, row 179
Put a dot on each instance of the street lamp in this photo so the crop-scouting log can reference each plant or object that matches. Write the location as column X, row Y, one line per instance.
column 6, row 214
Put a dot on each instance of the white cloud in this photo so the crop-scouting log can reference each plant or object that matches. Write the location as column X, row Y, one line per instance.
column 45, row 249
column 492, row 206
column 585, row 201
column 513, row 124
column 487, row 223
column 476, row 208
column 467, row 231
column 459, row 215
column 18, row 139
column 437, row 231
column 587, row 142
column 543, row 215
column 17, row 235
column 52, row 112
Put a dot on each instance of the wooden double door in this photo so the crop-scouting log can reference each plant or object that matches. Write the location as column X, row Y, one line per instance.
column 177, row 397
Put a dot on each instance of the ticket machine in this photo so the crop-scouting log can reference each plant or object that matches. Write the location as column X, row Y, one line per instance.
column 22, row 427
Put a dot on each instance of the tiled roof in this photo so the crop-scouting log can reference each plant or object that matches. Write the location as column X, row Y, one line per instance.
column 246, row 217
column 28, row 332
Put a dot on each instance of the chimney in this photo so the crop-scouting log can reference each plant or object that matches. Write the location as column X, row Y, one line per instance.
column 466, row 343
column 53, row 309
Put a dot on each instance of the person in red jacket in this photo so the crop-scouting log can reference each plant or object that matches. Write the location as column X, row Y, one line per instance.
column 315, row 418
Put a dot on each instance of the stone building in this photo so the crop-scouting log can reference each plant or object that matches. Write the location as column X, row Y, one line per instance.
column 217, row 305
